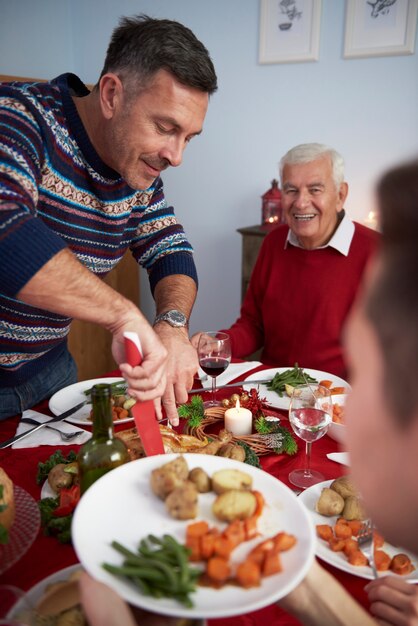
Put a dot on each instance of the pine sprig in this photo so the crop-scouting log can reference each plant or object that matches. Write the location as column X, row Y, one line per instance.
column 266, row 427
column 193, row 411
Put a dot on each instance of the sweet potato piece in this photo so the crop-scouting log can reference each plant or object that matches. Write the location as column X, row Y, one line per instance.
column 378, row 539
column 248, row 574
column 336, row 545
column 283, row 541
column 235, row 532
column 324, row 531
column 207, row 544
column 351, row 545
column 193, row 543
column 250, row 526
column 326, row 383
column 336, row 391
column 401, row 564
column 258, row 553
column 223, row 547
column 355, row 525
column 357, row 558
column 342, row 531
column 260, row 503
column 272, row 564
column 382, row 560
column 197, row 529
column 218, row 569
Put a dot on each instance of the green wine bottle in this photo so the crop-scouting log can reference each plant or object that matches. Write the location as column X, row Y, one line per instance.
column 103, row 452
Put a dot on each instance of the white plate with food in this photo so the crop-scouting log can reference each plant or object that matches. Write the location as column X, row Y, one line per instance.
column 121, row 506
column 309, row 497
column 276, row 401
column 74, row 394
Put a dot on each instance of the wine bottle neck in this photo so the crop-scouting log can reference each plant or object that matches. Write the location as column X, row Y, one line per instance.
column 102, row 412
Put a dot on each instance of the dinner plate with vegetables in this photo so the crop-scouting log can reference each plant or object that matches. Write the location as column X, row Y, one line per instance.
column 278, row 391
column 193, row 535
column 74, row 394
column 336, row 510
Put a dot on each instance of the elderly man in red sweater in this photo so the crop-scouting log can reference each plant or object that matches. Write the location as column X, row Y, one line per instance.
column 308, row 272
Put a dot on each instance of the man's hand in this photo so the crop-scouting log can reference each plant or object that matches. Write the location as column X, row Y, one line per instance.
column 195, row 339
column 181, row 368
column 393, row 601
column 148, row 380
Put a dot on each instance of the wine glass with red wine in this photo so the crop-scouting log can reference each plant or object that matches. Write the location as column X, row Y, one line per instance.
column 214, row 352
column 310, row 414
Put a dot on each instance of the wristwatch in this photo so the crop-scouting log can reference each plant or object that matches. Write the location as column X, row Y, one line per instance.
column 175, row 318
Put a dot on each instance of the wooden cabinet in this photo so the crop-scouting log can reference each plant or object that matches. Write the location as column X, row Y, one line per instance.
column 90, row 344
column 252, row 238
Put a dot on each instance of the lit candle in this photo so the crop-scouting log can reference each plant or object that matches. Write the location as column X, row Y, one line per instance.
column 239, row 420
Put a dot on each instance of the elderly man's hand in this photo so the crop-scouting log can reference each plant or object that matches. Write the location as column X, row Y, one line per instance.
column 393, row 601
column 182, row 366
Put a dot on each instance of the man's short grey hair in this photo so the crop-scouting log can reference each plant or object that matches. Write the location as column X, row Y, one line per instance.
column 308, row 152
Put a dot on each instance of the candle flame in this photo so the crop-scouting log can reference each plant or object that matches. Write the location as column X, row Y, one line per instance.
column 237, row 405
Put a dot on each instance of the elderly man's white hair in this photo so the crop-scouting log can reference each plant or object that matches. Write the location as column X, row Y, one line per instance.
column 308, row 152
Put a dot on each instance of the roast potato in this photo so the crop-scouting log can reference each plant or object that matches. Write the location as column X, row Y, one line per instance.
column 58, row 478
column 227, row 479
column 234, row 504
column 232, row 451
column 182, row 502
column 329, row 503
column 202, row 481
column 166, row 478
column 353, row 509
column 344, row 486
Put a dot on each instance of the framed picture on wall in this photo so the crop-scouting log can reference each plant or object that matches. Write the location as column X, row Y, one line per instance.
column 380, row 27
column 289, row 30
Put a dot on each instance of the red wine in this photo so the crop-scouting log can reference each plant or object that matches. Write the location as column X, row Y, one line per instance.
column 213, row 366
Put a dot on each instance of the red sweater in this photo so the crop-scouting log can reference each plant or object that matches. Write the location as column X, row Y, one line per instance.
column 298, row 300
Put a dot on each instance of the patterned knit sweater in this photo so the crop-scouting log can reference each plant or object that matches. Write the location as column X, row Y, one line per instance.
column 55, row 193
column 298, row 300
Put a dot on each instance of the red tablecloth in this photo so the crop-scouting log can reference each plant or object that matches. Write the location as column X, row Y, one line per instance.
column 47, row 556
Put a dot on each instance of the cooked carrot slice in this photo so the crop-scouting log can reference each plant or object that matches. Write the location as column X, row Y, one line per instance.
column 336, row 391
column 248, row 574
column 250, row 526
column 193, row 543
column 357, row 558
column 223, row 546
column 355, row 525
column 207, row 544
column 382, row 560
column 342, row 531
column 197, row 529
column 260, row 503
column 351, row 545
column 283, row 542
column 218, row 569
column 235, row 532
column 324, row 531
column 336, row 545
column 325, row 383
column 272, row 564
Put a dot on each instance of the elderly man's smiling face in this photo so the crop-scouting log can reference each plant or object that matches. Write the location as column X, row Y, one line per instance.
column 311, row 201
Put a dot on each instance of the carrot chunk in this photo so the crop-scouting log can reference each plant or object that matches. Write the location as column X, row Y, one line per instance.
column 193, row 543
column 357, row 558
column 218, row 569
column 250, row 527
column 272, row 563
column 351, row 545
column 197, row 529
column 283, row 542
column 248, row 574
column 382, row 560
column 235, row 532
column 324, row 531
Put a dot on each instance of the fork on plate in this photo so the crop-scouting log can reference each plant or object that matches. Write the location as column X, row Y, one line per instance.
column 366, row 544
column 64, row 436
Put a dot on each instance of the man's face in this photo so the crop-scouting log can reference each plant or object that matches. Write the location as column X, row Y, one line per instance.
column 383, row 456
column 149, row 132
column 311, row 201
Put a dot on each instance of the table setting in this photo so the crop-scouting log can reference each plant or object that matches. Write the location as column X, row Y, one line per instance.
column 44, row 557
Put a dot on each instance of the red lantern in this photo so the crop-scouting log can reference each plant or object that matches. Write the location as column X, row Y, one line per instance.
column 272, row 204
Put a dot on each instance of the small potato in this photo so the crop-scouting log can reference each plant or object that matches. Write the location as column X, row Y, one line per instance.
column 166, row 478
column 227, row 479
column 182, row 502
column 202, row 481
column 234, row 504
column 58, row 478
column 353, row 509
column 330, row 503
column 344, row 486
column 232, row 451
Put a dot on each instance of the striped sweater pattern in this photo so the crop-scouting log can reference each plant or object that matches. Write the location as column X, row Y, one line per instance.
column 55, row 193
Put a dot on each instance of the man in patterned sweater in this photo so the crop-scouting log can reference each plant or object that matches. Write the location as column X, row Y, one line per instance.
column 307, row 272
column 79, row 184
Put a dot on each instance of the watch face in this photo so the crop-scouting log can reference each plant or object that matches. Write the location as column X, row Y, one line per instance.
column 174, row 318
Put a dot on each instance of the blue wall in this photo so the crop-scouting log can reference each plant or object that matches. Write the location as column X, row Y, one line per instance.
column 366, row 108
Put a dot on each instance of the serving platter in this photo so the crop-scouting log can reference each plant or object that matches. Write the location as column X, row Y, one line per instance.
column 74, row 394
column 309, row 498
column 282, row 402
column 137, row 512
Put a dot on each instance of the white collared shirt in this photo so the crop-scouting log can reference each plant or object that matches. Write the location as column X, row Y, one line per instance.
column 341, row 239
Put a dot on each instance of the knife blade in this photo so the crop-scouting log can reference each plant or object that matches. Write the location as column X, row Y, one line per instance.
column 57, row 418
column 143, row 412
column 239, row 384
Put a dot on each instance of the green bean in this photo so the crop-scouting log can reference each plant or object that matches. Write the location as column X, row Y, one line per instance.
column 292, row 377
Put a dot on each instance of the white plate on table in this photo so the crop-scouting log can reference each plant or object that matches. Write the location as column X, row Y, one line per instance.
column 309, row 498
column 121, row 506
column 272, row 397
column 74, row 394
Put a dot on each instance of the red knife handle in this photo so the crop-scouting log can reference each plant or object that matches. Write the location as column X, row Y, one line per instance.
column 133, row 349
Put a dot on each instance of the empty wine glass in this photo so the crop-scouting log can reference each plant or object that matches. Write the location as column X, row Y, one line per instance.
column 310, row 414
column 214, row 352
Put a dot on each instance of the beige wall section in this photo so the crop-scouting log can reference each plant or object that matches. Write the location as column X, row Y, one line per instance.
column 90, row 344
